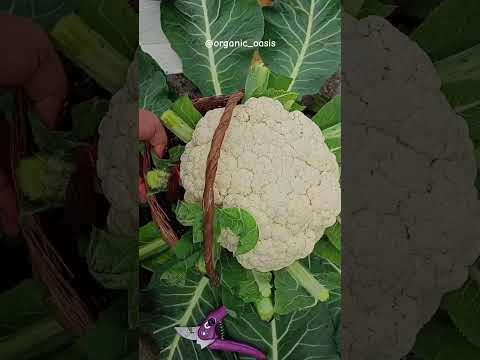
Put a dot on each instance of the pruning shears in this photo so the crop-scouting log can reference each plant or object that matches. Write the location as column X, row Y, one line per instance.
column 210, row 334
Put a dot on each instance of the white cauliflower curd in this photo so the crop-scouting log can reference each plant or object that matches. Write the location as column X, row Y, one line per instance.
column 276, row 165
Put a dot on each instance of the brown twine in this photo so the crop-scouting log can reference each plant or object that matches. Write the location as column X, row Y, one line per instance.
column 205, row 104
column 50, row 268
column 47, row 265
column 161, row 220
column 208, row 193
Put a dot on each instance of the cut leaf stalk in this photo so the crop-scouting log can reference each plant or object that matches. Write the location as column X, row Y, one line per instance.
column 91, row 52
column 176, row 125
column 308, row 281
column 15, row 346
column 153, row 248
column 264, row 308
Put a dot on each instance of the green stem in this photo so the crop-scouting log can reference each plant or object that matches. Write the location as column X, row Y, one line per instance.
column 177, row 126
column 264, row 308
column 91, row 52
column 15, row 346
column 152, row 248
column 274, row 340
column 308, row 281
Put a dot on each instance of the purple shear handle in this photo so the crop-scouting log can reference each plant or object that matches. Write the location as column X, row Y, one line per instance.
column 208, row 331
column 207, row 335
column 233, row 346
column 208, row 328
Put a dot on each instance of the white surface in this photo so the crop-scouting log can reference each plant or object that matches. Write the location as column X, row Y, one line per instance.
column 153, row 40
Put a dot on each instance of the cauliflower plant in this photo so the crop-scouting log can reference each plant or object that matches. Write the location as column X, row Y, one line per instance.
column 118, row 140
column 410, row 163
column 276, row 165
column 44, row 177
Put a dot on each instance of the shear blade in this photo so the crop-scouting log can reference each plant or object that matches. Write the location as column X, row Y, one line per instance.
column 190, row 333
column 204, row 343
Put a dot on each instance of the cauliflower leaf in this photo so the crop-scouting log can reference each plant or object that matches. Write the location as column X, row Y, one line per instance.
column 169, row 305
column 242, row 224
column 307, row 37
column 218, row 69
column 463, row 308
column 112, row 259
column 166, row 306
column 329, row 114
column 290, row 294
column 184, row 108
column 326, row 250
column 262, row 82
column 238, row 221
column 440, row 341
column 289, row 337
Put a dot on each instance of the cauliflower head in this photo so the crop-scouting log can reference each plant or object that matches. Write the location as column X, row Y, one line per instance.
column 274, row 164
column 410, row 162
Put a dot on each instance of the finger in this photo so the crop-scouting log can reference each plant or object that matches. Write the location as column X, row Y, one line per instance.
column 8, row 206
column 29, row 60
column 142, row 191
column 151, row 130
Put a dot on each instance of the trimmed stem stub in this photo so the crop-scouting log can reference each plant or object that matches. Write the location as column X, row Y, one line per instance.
column 308, row 281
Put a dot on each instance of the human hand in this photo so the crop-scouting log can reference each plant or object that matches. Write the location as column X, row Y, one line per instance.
column 30, row 62
column 150, row 130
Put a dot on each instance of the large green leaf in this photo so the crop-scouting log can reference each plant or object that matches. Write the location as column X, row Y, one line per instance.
column 328, row 119
column 189, row 24
column 115, row 20
column 329, row 114
column 87, row 116
column 463, row 306
column 376, row 7
column 460, row 74
column 147, row 66
column 456, row 21
column 240, row 283
column 110, row 337
column 464, row 96
column 166, row 307
column 291, row 296
column 462, row 66
column 418, row 9
column 304, row 334
column 112, row 259
column 352, row 6
column 297, row 335
column 43, row 12
column 327, row 251
column 153, row 89
column 439, row 340
column 153, row 96
column 334, row 235
column 307, row 37
column 21, row 306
